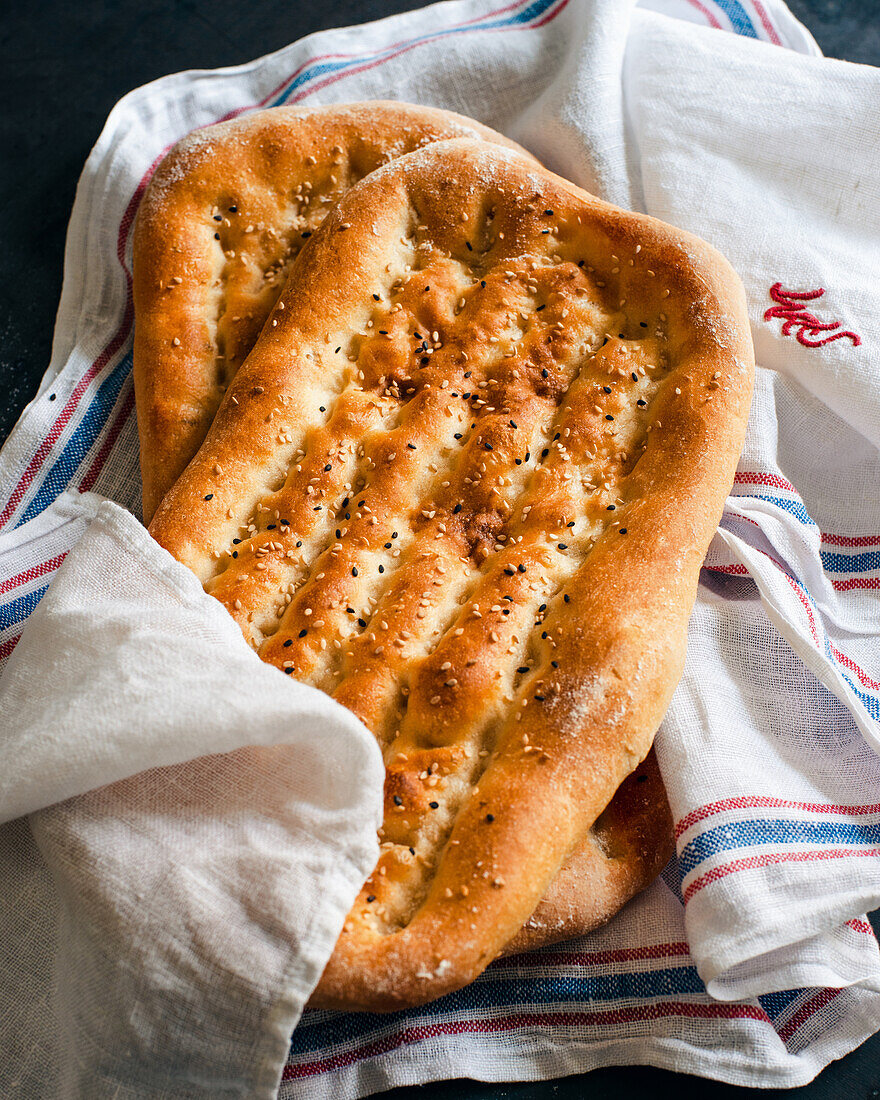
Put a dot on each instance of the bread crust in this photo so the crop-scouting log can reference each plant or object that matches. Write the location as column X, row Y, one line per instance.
column 219, row 226
column 617, row 350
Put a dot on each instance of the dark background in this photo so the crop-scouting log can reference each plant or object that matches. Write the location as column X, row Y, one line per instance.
column 65, row 64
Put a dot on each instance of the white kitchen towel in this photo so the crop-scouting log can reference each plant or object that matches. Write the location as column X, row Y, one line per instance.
column 750, row 960
column 196, row 903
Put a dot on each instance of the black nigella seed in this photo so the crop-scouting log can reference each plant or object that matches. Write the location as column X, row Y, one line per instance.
column 570, row 523
column 512, row 424
column 288, row 672
column 539, row 308
column 299, row 544
column 610, row 507
column 506, row 611
column 623, row 530
column 469, row 246
column 544, row 634
column 236, row 542
column 581, row 263
column 641, row 403
column 375, row 297
column 607, row 389
column 488, row 446
column 605, row 341
column 608, row 416
column 457, row 435
column 425, row 360
column 362, row 624
column 643, row 324
column 218, row 217
column 521, row 568
column 540, row 698
column 545, row 373
column 381, row 568
column 52, row 396
column 306, row 234
column 545, row 452
column 567, row 598
column 456, row 509
column 518, row 461
column 394, row 534
column 354, row 571
column 361, row 503
column 216, row 236
column 427, row 288
column 634, row 376
column 510, row 572
column 327, row 468
column 210, row 496
column 528, row 456
column 483, row 283
column 621, row 336
column 398, row 801
column 468, row 373
column 523, row 669
column 288, row 643
column 490, row 818
column 434, row 805
column 555, row 664
column 338, row 533
column 411, row 446
column 233, row 209
column 387, row 545
column 321, row 408
column 303, row 633
column 235, row 553
column 563, row 545
column 641, row 779
column 317, row 507
column 271, row 526
column 545, row 231
column 555, row 437
column 338, row 350
column 370, row 898
column 412, row 851
column 548, row 213
column 543, row 607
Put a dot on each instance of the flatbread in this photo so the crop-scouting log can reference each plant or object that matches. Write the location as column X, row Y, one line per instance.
column 465, row 482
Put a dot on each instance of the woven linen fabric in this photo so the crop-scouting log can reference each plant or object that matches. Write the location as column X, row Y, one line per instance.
column 750, row 960
column 201, row 882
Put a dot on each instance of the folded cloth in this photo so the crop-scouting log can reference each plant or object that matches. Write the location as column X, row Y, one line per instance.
column 197, row 903
column 750, row 960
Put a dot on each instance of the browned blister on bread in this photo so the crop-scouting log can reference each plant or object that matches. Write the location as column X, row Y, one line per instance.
column 464, row 482
column 218, row 229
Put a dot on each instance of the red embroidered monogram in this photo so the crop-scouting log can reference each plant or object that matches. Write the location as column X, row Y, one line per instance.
column 789, row 305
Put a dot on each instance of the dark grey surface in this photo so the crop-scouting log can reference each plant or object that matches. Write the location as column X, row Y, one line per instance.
column 65, row 63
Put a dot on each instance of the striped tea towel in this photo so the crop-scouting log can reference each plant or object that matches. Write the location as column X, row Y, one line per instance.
column 751, row 959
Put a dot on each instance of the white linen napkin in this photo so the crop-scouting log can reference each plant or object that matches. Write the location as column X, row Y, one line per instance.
column 199, row 900
column 769, row 747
